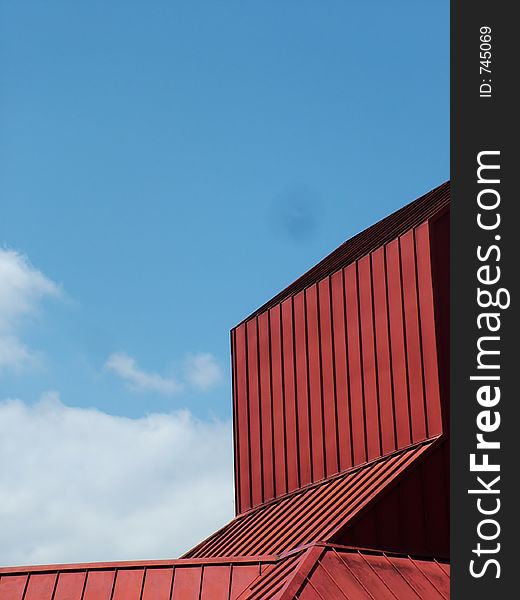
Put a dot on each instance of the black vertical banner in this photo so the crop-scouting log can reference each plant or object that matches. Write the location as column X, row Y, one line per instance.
column 485, row 235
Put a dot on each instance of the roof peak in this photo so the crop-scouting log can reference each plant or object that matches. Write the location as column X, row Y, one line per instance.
column 412, row 214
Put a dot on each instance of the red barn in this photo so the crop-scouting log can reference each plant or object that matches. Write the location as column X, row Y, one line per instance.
column 341, row 431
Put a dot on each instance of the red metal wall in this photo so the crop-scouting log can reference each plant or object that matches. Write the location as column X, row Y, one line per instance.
column 338, row 373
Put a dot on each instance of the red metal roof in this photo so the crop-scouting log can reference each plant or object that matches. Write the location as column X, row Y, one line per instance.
column 314, row 572
column 349, row 573
column 325, row 571
column 313, row 513
column 275, row 577
column 210, row 579
column 423, row 208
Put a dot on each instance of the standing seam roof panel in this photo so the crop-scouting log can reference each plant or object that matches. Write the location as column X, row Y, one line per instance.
column 310, row 514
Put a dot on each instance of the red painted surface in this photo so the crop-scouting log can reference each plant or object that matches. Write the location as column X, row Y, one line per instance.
column 317, row 512
column 40, row 586
column 274, row 578
column 70, row 586
column 128, row 584
column 343, row 367
column 347, row 574
column 12, row 587
column 158, row 584
column 325, row 571
column 413, row 517
column 440, row 236
column 341, row 433
column 161, row 580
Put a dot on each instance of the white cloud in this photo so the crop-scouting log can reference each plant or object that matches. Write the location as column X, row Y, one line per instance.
column 203, row 371
column 22, row 288
column 138, row 380
column 77, row 484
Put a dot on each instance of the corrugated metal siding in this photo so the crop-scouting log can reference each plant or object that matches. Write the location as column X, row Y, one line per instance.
column 179, row 580
column 313, row 513
column 339, row 373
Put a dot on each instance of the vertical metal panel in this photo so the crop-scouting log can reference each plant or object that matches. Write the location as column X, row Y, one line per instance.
column 40, row 586
column 413, row 337
column 291, row 419
column 302, row 388
column 384, row 365
column 215, row 582
column 341, row 371
column 70, row 586
column 236, row 436
column 428, row 333
column 278, row 401
column 158, row 584
column 266, row 405
column 316, row 402
column 328, row 377
column 12, row 587
column 145, row 580
column 99, row 585
column 242, row 418
column 128, row 585
column 370, row 376
column 255, row 421
column 440, row 259
column 357, row 408
column 397, row 344
column 186, row 583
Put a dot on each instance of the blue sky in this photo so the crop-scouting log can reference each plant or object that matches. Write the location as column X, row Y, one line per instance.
column 169, row 166
column 154, row 153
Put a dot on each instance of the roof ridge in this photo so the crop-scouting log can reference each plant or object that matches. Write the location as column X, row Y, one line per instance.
column 337, row 475
column 315, row 512
column 137, row 564
column 383, row 231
